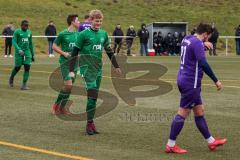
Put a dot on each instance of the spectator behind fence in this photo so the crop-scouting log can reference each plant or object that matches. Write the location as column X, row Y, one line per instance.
column 161, row 50
column 169, row 44
column 181, row 36
column 213, row 39
column 237, row 33
column 8, row 31
column 155, row 42
column 194, row 31
column 86, row 24
column 176, row 44
column 118, row 40
column 143, row 35
column 50, row 31
column 129, row 40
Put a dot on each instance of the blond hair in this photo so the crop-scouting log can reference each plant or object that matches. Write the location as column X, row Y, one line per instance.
column 95, row 14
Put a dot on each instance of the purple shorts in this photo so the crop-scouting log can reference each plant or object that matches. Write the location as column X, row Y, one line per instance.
column 190, row 97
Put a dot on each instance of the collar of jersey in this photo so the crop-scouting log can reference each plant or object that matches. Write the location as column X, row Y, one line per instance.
column 93, row 30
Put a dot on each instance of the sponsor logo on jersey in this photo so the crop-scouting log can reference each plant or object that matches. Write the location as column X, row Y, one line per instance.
column 24, row 40
column 97, row 47
column 72, row 44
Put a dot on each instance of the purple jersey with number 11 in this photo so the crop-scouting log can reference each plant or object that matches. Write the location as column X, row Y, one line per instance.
column 83, row 26
column 190, row 74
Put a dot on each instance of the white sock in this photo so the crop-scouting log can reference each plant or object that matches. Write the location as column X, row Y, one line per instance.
column 171, row 143
column 210, row 140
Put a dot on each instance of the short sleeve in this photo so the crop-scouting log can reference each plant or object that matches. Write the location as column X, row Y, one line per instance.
column 199, row 50
column 58, row 40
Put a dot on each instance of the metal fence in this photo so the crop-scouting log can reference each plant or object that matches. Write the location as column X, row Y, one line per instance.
column 227, row 42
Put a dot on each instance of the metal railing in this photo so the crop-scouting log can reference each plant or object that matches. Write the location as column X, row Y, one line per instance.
column 227, row 42
column 111, row 37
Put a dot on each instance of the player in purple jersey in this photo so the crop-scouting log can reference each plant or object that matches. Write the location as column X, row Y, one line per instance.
column 193, row 64
column 86, row 24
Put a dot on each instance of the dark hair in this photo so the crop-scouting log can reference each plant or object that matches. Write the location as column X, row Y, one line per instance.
column 24, row 22
column 202, row 27
column 71, row 18
column 86, row 16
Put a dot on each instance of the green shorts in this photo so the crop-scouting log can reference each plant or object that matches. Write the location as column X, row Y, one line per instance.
column 21, row 60
column 93, row 84
column 92, row 79
column 64, row 66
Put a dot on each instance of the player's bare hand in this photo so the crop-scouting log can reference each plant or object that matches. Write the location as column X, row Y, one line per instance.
column 21, row 52
column 208, row 45
column 71, row 74
column 219, row 85
column 66, row 55
column 118, row 71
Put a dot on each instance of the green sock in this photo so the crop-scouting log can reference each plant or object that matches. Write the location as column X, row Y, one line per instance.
column 63, row 97
column 91, row 107
column 14, row 72
column 25, row 76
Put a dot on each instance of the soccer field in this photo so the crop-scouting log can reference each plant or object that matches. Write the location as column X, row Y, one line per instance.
column 29, row 131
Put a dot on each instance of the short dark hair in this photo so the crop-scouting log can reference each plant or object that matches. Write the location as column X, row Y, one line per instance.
column 71, row 18
column 86, row 16
column 203, row 27
column 24, row 22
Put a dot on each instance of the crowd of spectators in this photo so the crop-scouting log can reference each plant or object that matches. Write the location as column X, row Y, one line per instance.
column 163, row 45
column 168, row 45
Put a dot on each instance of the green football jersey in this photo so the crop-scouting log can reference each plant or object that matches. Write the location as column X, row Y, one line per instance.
column 91, row 44
column 22, row 40
column 66, row 40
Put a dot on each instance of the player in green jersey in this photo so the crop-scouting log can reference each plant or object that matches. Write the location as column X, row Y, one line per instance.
column 24, row 54
column 90, row 43
column 63, row 45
